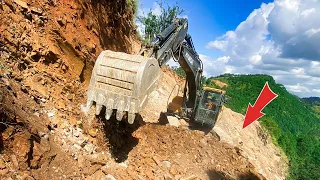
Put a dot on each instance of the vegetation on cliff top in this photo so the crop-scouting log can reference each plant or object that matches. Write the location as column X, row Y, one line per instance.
column 154, row 24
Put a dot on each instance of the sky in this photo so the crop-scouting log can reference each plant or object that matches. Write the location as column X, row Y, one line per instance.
column 280, row 38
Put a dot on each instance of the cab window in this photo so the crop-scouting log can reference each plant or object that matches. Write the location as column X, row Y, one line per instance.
column 209, row 100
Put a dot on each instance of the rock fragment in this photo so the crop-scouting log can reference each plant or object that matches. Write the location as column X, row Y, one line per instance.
column 173, row 121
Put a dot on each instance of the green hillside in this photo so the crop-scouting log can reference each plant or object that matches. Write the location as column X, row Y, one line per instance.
column 292, row 123
column 314, row 103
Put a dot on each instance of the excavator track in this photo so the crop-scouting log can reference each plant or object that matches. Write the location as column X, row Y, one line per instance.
column 122, row 82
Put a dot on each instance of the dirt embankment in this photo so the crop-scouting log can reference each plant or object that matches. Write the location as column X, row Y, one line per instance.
column 47, row 50
column 253, row 143
column 64, row 37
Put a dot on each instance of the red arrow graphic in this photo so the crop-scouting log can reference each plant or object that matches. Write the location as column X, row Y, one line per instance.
column 254, row 112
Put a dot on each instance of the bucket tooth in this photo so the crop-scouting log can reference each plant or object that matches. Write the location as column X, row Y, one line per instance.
column 110, row 104
column 119, row 115
column 108, row 114
column 120, row 106
column 86, row 108
column 131, row 117
column 98, row 109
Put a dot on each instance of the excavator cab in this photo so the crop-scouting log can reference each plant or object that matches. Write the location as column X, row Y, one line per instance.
column 210, row 105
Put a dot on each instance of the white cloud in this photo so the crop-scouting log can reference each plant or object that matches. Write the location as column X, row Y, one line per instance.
column 183, row 16
column 307, row 12
column 314, row 69
column 229, row 69
column 316, row 90
column 156, row 9
column 297, row 71
column 215, row 67
column 221, row 45
column 281, row 39
column 298, row 88
column 224, row 59
column 255, row 59
column 312, row 32
column 140, row 28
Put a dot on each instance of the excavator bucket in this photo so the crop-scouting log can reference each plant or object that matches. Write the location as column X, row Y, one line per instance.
column 122, row 82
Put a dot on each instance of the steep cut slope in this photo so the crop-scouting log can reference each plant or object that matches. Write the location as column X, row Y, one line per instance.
column 64, row 37
column 253, row 143
column 47, row 50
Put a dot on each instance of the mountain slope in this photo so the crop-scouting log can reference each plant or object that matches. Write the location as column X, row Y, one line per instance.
column 314, row 102
column 292, row 124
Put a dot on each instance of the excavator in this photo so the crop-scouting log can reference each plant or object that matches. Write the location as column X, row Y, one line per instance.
column 123, row 82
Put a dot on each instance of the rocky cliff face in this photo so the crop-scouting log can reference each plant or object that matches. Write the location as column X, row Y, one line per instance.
column 47, row 51
column 64, row 37
column 253, row 143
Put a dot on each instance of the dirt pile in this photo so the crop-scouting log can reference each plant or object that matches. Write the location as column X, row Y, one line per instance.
column 26, row 139
column 169, row 85
column 253, row 143
column 179, row 153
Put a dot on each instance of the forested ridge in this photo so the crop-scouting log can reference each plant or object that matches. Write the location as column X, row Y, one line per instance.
column 314, row 103
column 292, row 123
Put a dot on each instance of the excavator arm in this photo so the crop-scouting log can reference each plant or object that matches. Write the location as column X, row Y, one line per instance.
column 192, row 65
column 122, row 83
column 175, row 42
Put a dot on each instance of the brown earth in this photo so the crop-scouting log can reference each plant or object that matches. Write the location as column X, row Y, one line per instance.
column 254, row 143
column 220, row 83
column 47, row 51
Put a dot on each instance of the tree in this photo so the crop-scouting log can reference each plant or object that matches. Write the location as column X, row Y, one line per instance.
column 203, row 80
column 305, row 145
column 208, row 81
column 155, row 24
column 179, row 71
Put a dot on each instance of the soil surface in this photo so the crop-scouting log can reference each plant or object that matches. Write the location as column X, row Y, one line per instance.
column 47, row 51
